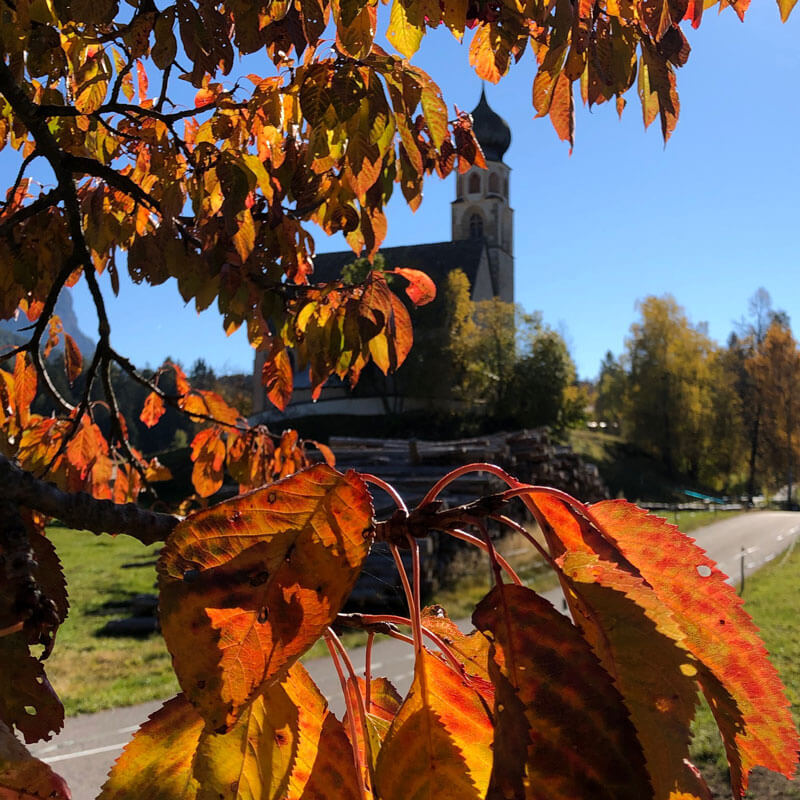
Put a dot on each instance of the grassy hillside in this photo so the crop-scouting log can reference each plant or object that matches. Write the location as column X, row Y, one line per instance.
column 628, row 471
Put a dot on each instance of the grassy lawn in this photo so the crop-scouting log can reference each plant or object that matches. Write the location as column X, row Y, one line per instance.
column 92, row 672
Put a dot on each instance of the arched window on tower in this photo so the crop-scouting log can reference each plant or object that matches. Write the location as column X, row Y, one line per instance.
column 476, row 226
column 474, row 183
column 494, row 183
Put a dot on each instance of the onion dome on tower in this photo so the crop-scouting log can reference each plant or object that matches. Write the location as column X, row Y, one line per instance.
column 491, row 130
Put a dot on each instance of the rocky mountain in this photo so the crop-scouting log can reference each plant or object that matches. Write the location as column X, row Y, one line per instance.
column 12, row 331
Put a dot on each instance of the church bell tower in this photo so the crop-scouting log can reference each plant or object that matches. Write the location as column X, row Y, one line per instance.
column 481, row 210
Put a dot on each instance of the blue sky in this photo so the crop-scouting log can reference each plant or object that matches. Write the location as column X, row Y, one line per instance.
column 709, row 218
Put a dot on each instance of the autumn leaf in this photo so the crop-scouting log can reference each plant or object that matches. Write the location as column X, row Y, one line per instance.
column 277, row 378
column 158, row 761
column 439, row 744
column 327, row 453
column 153, row 409
column 421, row 290
column 73, row 360
column 743, row 688
column 248, row 585
column 24, row 387
column 640, row 645
column 25, row 688
column 208, row 455
column 405, row 27
column 23, row 777
column 556, row 706
column 156, row 471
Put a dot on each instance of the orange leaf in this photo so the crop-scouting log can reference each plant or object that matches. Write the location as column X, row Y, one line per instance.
column 23, row 777
column 421, row 290
column 73, row 360
column 156, row 471
column 208, row 455
column 55, row 329
column 157, row 762
column 181, row 382
column 744, row 690
column 24, row 387
column 562, row 729
column 153, row 410
column 472, row 649
column 440, row 742
column 277, row 378
column 327, row 453
column 562, row 110
column 248, row 585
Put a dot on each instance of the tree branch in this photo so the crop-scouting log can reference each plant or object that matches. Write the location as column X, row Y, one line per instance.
column 81, row 511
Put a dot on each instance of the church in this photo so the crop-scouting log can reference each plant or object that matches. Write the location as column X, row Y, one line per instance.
column 481, row 245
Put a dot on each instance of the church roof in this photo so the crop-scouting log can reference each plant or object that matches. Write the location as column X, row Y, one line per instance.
column 491, row 130
column 436, row 260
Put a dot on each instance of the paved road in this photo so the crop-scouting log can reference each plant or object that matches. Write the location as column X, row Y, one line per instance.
column 89, row 744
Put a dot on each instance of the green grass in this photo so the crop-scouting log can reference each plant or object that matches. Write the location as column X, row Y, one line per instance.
column 92, row 672
column 688, row 521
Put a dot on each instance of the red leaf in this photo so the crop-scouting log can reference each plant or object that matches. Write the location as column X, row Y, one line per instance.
column 744, row 690
column 153, row 410
column 421, row 289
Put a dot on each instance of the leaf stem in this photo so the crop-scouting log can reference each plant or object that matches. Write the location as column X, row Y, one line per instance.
column 468, row 537
column 334, row 644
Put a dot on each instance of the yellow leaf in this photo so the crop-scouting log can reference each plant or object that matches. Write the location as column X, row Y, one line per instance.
column 405, row 27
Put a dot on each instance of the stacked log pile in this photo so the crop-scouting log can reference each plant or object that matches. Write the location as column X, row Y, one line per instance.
column 413, row 466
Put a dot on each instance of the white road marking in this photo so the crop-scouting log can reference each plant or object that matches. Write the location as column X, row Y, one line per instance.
column 750, row 550
column 129, row 729
column 779, row 537
column 81, row 753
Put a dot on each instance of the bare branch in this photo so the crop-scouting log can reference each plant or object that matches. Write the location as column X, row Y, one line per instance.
column 82, row 511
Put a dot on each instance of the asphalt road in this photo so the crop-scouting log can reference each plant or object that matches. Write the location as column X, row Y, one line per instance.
column 89, row 744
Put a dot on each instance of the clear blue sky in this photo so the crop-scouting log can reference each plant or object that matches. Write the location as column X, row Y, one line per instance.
column 709, row 218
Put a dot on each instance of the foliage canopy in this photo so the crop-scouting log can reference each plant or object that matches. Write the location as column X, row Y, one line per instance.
column 217, row 196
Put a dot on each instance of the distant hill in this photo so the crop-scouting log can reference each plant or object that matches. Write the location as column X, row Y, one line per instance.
column 12, row 333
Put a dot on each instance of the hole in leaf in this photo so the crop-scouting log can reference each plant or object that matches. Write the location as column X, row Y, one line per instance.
column 704, row 571
column 30, row 711
column 263, row 615
column 191, row 575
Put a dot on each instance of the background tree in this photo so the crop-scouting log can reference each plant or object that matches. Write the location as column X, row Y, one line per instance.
column 669, row 385
column 775, row 371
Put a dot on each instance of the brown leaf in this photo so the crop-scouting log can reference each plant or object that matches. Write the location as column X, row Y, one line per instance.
column 73, row 360
column 27, row 700
column 248, row 585
column 554, row 696
column 23, row 777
